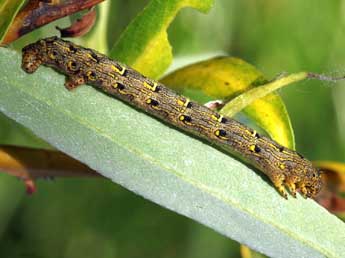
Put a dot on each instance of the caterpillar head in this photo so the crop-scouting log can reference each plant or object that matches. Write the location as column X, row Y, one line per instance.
column 32, row 57
column 37, row 53
column 312, row 183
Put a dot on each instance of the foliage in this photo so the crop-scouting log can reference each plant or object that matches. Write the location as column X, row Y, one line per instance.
column 151, row 165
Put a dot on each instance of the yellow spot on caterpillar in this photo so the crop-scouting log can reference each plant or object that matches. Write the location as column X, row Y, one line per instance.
column 52, row 54
column 153, row 87
column 91, row 75
column 72, row 65
column 282, row 166
column 148, row 101
column 182, row 103
column 91, row 57
column 61, row 46
column 185, row 119
column 115, row 85
column 254, row 148
column 220, row 133
column 219, row 119
column 122, row 71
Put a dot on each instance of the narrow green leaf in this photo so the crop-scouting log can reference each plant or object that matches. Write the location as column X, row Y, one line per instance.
column 144, row 44
column 8, row 11
column 166, row 166
column 227, row 78
column 243, row 100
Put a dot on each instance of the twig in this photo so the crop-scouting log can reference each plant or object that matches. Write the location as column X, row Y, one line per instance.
column 32, row 163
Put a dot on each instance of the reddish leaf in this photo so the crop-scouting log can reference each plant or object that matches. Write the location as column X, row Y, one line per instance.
column 29, row 164
column 38, row 13
column 80, row 27
column 332, row 194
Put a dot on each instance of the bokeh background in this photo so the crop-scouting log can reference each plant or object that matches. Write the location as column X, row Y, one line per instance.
column 97, row 218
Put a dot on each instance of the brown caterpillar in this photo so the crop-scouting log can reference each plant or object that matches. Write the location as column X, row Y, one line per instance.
column 285, row 167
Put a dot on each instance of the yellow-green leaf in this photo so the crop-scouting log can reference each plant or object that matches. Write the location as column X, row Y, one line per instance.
column 144, row 44
column 227, row 78
column 8, row 11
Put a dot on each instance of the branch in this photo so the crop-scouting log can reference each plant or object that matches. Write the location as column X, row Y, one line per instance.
column 29, row 164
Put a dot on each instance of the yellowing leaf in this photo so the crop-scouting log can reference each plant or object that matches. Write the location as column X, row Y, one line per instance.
column 332, row 196
column 227, row 78
column 8, row 11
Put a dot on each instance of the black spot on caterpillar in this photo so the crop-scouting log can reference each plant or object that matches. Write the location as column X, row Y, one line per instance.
column 285, row 167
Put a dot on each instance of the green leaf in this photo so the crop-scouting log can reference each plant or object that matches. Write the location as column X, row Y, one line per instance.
column 250, row 96
column 166, row 166
column 227, row 78
column 144, row 44
column 8, row 11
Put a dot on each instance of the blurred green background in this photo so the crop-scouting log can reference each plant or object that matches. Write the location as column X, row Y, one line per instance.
column 97, row 218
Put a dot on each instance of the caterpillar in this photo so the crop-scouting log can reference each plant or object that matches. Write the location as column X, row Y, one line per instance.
column 287, row 169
